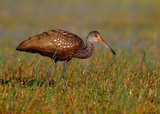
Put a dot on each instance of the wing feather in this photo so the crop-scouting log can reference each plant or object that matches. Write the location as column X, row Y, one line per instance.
column 50, row 41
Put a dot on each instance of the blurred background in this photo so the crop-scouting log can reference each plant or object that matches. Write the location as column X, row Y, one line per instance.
column 131, row 24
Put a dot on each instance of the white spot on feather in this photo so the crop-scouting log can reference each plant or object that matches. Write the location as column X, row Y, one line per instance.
column 54, row 40
column 64, row 33
column 58, row 44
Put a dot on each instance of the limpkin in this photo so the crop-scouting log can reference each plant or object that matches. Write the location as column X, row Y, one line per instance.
column 62, row 45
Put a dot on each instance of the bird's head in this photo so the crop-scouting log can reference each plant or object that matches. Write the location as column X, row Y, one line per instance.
column 95, row 36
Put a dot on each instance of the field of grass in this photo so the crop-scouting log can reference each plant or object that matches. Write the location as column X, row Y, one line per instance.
column 128, row 82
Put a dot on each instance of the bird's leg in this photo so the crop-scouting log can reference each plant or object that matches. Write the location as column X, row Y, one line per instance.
column 49, row 73
column 64, row 75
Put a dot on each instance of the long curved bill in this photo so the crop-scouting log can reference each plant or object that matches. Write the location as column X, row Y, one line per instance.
column 107, row 45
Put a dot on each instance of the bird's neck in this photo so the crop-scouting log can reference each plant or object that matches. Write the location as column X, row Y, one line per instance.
column 86, row 51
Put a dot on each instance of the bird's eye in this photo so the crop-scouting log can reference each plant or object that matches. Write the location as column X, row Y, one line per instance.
column 96, row 36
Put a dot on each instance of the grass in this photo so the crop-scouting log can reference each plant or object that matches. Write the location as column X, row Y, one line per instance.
column 126, row 83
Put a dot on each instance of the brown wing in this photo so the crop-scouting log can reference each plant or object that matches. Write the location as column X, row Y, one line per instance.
column 62, row 42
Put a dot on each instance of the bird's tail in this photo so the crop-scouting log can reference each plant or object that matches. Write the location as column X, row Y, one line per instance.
column 27, row 44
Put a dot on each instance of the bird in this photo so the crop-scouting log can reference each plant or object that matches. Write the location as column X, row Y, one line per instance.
column 62, row 45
